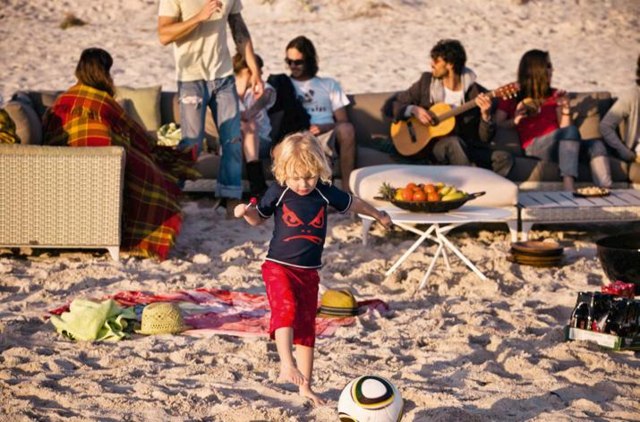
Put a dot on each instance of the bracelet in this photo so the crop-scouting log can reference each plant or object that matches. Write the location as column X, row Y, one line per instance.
column 566, row 114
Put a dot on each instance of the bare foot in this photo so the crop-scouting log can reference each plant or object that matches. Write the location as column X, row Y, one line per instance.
column 291, row 374
column 305, row 391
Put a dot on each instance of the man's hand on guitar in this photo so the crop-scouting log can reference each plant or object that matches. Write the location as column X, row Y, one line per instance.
column 422, row 115
column 483, row 101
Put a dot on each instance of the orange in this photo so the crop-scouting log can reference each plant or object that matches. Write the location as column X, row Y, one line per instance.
column 433, row 197
column 407, row 194
column 419, row 196
column 429, row 188
column 411, row 186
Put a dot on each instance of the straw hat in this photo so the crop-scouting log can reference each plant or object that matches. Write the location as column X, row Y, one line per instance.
column 162, row 318
column 338, row 304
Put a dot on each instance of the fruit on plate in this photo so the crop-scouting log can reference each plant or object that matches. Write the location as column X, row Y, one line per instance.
column 421, row 192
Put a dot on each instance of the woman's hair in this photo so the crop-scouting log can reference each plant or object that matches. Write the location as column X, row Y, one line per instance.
column 638, row 72
column 305, row 46
column 93, row 70
column 300, row 155
column 451, row 51
column 533, row 75
column 240, row 63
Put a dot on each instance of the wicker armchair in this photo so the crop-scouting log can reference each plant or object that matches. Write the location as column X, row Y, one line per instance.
column 58, row 197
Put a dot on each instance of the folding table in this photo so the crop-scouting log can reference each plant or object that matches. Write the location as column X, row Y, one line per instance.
column 439, row 225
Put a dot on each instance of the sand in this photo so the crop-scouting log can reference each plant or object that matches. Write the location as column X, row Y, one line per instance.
column 460, row 349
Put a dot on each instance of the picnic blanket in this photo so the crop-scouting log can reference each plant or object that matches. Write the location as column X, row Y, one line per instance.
column 214, row 311
column 85, row 116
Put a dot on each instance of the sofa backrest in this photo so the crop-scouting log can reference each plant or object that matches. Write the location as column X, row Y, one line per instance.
column 366, row 116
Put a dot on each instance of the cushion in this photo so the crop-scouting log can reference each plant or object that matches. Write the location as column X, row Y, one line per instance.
column 142, row 104
column 28, row 125
column 587, row 109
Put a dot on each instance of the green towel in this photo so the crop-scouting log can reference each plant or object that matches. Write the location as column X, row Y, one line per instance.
column 88, row 320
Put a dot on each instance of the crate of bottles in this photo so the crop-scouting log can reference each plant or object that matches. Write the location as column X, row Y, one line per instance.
column 608, row 320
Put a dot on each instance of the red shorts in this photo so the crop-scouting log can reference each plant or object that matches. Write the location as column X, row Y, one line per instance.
column 293, row 299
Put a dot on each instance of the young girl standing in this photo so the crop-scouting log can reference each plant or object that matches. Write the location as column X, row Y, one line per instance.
column 298, row 202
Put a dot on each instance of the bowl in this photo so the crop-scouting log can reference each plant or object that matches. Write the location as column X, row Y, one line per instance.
column 435, row 206
column 620, row 258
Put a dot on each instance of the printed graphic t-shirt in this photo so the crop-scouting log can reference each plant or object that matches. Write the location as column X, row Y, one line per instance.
column 300, row 222
column 320, row 97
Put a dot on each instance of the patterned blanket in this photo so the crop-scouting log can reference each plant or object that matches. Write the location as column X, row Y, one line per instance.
column 214, row 311
column 84, row 116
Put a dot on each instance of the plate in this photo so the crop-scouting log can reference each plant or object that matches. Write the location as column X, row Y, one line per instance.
column 591, row 192
column 518, row 259
column 537, row 248
column 435, row 206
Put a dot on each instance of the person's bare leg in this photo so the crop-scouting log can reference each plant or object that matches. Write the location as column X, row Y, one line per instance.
column 288, row 370
column 250, row 141
column 346, row 138
column 567, row 182
column 304, row 358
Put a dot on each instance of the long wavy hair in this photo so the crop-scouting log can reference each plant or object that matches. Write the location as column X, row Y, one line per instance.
column 533, row 75
column 305, row 46
column 638, row 72
column 300, row 155
column 94, row 68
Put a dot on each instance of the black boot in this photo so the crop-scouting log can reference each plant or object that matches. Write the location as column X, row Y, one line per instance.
column 255, row 173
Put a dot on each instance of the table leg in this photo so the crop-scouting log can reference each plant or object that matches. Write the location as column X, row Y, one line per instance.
column 513, row 229
column 431, row 265
column 366, row 225
column 464, row 259
column 425, row 235
column 526, row 226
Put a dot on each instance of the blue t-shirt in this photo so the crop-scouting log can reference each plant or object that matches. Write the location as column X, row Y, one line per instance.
column 300, row 222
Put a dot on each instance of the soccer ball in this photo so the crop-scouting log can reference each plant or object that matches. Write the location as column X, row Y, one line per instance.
column 370, row 398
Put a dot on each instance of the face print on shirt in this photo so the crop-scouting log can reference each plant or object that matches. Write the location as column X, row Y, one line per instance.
column 307, row 231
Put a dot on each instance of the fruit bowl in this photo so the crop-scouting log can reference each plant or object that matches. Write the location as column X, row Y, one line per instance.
column 435, row 206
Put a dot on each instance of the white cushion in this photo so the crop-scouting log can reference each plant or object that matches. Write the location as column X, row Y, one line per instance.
column 500, row 192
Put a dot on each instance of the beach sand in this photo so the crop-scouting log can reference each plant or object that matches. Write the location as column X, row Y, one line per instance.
column 460, row 349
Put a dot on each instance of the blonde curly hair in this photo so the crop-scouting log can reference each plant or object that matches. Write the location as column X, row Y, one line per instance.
column 300, row 155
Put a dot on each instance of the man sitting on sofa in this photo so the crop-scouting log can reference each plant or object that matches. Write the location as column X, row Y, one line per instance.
column 324, row 101
column 452, row 83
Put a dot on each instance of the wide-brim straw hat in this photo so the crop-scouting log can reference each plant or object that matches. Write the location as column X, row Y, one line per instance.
column 162, row 318
column 338, row 304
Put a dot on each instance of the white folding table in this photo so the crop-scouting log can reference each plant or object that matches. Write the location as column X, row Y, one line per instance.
column 439, row 225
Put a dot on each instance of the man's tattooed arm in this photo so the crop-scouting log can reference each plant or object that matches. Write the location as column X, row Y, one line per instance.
column 239, row 30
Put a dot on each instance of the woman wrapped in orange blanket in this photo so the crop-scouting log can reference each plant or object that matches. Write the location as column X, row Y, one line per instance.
column 87, row 115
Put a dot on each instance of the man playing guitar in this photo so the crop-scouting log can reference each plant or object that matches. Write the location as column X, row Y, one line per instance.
column 450, row 82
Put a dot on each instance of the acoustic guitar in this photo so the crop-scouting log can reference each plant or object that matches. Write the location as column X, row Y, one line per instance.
column 411, row 136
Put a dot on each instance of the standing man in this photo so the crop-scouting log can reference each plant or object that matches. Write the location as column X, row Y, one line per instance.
column 325, row 102
column 198, row 30
column 452, row 83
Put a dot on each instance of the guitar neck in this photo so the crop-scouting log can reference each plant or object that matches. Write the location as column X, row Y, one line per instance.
column 463, row 108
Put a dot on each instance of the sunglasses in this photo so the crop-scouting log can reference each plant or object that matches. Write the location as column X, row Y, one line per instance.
column 293, row 62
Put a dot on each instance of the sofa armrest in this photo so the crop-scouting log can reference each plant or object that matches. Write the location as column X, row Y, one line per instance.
column 61, row 196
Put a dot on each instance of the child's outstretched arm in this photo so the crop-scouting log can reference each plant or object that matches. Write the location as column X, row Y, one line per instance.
column 361, row 207
column 249, row 212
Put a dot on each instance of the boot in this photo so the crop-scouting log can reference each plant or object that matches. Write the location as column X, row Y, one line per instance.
column 255, row 173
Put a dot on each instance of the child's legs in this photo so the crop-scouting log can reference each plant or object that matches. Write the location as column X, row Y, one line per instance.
column 304, row 360
column 250, row 141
